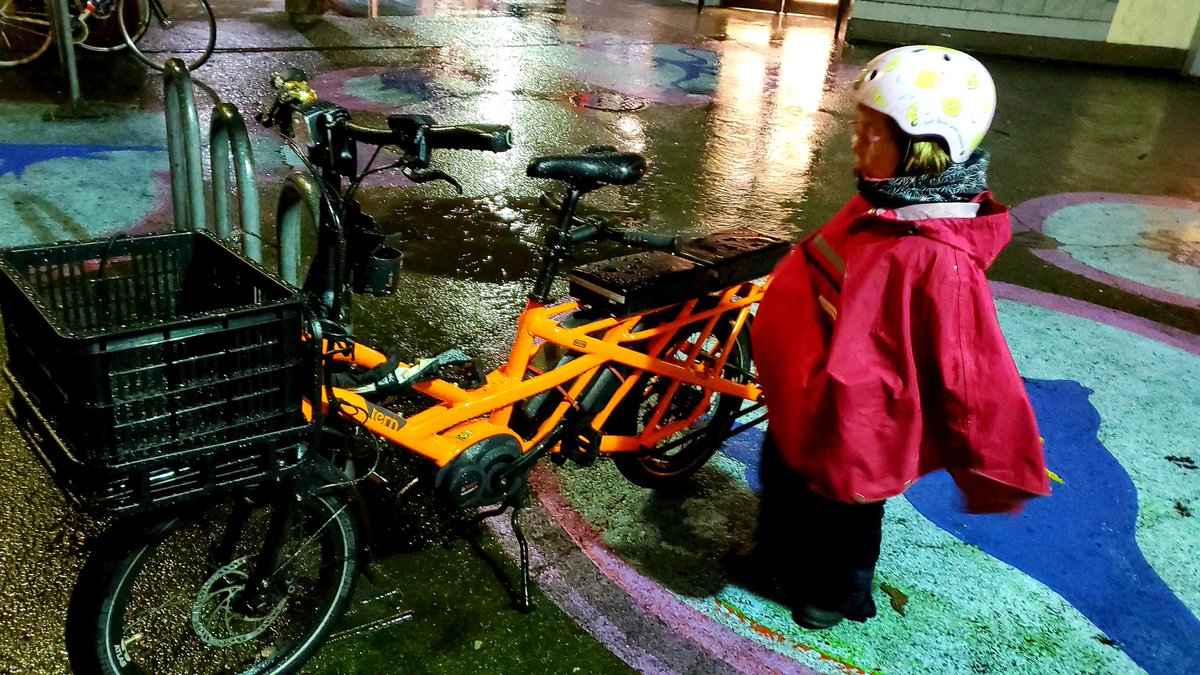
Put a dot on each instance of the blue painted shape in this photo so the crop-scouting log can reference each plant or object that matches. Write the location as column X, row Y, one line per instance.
column 409, row 83
column 1080, row 541
column 15, row 158
column 698, row 67
column 746, row 448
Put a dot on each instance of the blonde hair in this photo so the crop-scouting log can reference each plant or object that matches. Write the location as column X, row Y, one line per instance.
column 925, row 158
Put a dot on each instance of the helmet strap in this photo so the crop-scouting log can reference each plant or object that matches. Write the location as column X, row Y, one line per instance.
column 902, row 169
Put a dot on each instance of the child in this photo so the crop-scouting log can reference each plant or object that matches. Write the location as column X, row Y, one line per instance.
column 877, row 343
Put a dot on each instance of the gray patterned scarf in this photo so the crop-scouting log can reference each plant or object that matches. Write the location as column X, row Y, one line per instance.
column 958, row 183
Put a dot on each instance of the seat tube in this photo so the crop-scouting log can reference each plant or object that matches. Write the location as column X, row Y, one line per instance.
column 557, row 246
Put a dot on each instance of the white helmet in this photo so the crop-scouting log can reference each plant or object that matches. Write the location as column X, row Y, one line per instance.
column 931, row 91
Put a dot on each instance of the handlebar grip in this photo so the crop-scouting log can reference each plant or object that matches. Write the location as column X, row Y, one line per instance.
column 647, row 240
column 482, row 137
column 370, row 135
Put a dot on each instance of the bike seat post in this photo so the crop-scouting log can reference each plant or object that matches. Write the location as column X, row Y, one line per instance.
column 558, row 244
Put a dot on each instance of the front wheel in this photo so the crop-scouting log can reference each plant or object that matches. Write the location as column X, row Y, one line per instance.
column 675, row 459
column 177, row 598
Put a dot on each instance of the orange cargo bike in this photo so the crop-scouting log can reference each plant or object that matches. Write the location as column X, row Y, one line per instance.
column 232, row 422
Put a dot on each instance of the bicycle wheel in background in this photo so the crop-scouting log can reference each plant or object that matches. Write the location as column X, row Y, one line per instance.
column 182, row 29
column 104, row 31
column 24, row 31
column 175, row 599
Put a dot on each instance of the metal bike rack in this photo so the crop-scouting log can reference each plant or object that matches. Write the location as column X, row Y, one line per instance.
column 75, row 107
column 229, row 150
column 183, row 147
column 300, row 195
column 228, row 138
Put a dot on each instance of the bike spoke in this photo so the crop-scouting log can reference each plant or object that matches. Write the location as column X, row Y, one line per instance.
column 24, row 23
column 307, row 541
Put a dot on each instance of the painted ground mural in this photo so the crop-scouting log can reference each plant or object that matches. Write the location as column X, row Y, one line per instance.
column 1097, row 578
column 1147, row 245
column 669, row 74
column 80, row 179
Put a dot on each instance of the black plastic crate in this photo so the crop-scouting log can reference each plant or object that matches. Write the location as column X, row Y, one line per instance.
column 139, row 348
column 115, row 489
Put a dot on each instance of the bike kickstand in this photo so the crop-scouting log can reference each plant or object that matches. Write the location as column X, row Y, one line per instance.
column 524, row 603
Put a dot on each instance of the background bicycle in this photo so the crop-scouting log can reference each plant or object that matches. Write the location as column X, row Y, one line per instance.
column 152, row 30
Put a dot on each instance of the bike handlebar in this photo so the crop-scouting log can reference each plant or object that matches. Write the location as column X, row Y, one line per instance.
column 480, row 137
column 370, row 135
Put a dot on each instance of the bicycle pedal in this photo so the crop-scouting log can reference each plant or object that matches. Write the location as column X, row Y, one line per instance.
column 467, row 375
column 581, row 444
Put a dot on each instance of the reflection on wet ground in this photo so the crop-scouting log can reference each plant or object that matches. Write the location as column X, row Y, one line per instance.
column 744, row 118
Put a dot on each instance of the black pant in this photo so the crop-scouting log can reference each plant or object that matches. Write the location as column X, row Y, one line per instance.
column 823, row 550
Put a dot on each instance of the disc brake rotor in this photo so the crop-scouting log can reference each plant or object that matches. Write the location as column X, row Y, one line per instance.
column 214, row 617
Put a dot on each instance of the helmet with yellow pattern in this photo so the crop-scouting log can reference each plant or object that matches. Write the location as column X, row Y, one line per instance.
column 931, row 91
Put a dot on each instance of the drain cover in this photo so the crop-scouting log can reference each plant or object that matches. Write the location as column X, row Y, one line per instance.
column 608, row 101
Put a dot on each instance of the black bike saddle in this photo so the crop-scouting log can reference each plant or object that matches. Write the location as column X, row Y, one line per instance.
column 591, row 168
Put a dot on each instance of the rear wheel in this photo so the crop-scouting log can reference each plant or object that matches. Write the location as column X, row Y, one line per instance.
column 675, row 459
column 181, row 29
column 177, row 600
column 24, row 31
column 104, row 29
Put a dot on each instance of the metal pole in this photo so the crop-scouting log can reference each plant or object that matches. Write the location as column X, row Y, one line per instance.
column 75, row 107
column 183, row 147
column 300, row 195
column 229, row 137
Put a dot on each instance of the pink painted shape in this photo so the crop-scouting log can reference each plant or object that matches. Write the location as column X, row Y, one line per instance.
column 741, row 653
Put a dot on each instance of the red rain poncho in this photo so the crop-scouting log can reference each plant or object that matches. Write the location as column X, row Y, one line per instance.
column 881, row 359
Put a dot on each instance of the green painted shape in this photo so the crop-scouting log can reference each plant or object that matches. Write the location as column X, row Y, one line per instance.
column 1109, row 237
column 463, row 623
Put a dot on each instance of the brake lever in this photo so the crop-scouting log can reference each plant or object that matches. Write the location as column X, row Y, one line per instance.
column 427, row 175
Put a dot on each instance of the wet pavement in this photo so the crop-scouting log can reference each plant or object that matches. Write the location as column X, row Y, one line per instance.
column 745, row 120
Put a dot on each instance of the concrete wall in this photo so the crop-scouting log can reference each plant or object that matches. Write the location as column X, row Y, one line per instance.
column 1156, row 33
column 1072, row 19
column 1158, row 23
column 1192, row 67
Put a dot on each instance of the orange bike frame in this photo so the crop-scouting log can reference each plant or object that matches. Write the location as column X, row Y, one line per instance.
column 462, row 417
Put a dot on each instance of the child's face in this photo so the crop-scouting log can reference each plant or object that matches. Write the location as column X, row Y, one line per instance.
column 876, row 148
